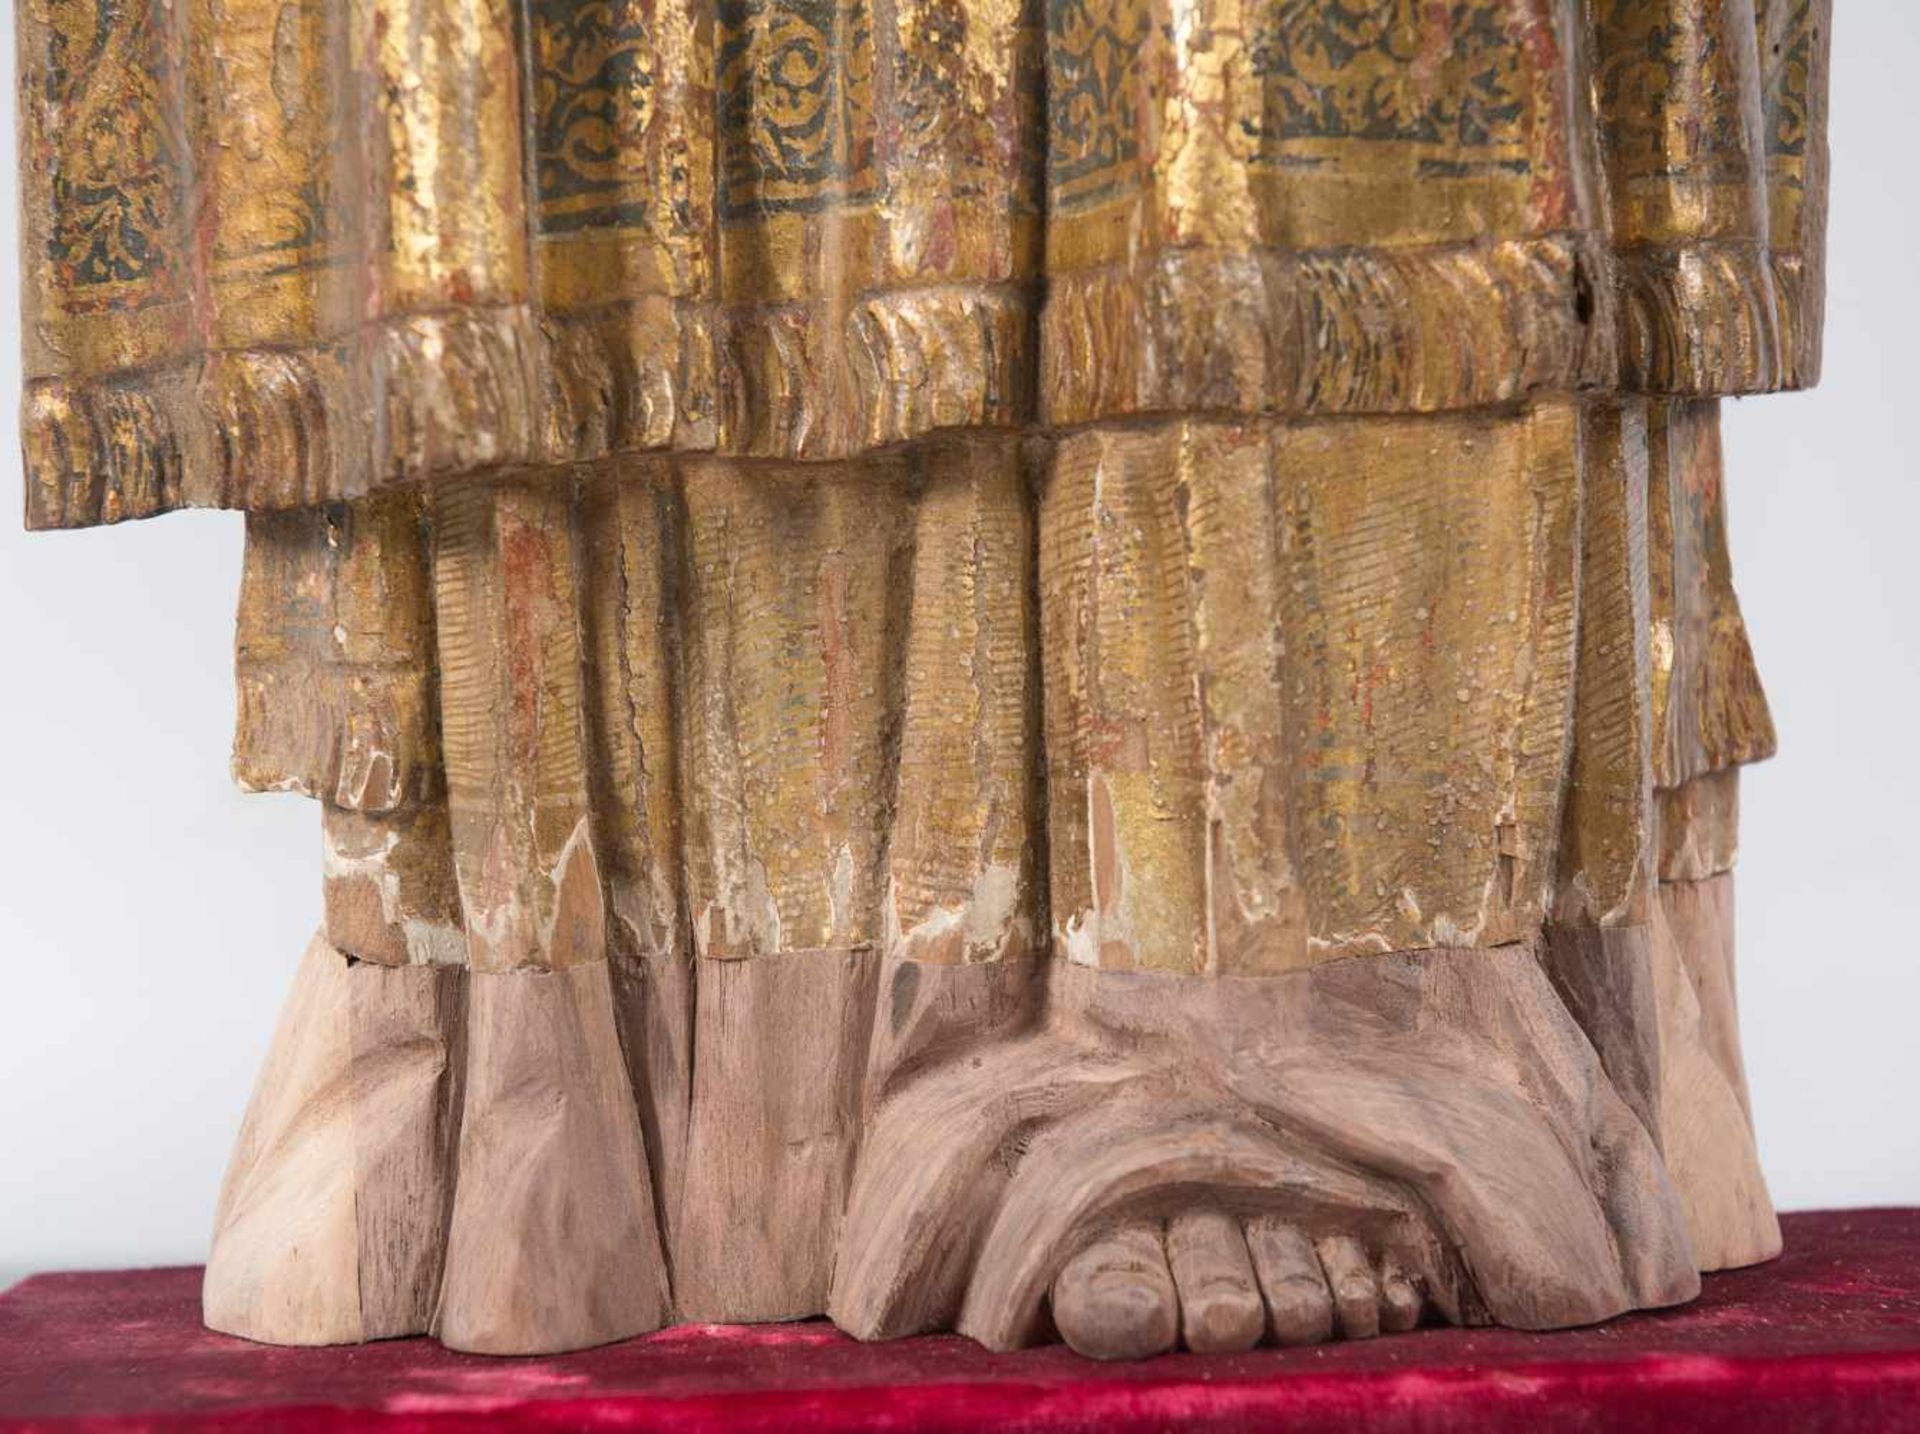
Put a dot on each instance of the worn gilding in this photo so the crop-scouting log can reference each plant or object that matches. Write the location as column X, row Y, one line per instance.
column 281, row 252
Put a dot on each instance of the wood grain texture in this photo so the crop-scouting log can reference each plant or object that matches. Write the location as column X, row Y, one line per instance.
column 1362, row 1097
column 695, row 715
column 1220, row 1307
column 1604, row 975
column 1699, row 826
column 630, row 521
column 1292, row 1284
column 1406, row 734
column 1706, row 1133
column 960, row 659
column 778, row 1059
column 1116, row 1299
column 552, row 1244
column 653, row 995
column 332, row 1218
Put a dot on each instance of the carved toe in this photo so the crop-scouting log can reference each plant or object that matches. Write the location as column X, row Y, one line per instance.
column 1356, row 1293
column 1116, row 1298
column 1299, row 1305
column 1220, row 1308
column 1400, row 1301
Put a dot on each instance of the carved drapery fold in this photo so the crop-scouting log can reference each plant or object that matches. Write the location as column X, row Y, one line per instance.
column 349, row 260
column 766, row 520
column 283, row 252
column 350, row 253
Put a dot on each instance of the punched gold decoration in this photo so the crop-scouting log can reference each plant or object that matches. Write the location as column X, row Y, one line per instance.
column 971, row 664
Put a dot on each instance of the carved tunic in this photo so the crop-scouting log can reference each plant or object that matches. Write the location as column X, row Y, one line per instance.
column 1212, row 487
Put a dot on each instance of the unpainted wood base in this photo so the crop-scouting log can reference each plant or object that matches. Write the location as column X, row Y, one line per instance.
column 779, row 1045
column 1657, row 1003
column 553, row 1243
column 1135, row 1160
column 432, row 1149
column 332, row 1219
column 1705, row 1125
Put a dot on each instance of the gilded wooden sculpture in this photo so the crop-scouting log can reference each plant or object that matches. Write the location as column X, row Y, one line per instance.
column 969, row 665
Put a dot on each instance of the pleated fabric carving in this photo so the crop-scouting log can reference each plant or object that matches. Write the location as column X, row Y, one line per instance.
column 281, row 252
column 285, row 253
column 970, row 664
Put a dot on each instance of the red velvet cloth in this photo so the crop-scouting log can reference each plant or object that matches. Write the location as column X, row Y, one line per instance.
column 1826, row 1338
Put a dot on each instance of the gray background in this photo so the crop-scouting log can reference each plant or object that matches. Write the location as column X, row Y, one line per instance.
column 150, row 916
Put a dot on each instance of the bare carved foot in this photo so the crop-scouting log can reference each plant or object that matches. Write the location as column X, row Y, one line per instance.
column 1215, row 1284
column 1335, row 1152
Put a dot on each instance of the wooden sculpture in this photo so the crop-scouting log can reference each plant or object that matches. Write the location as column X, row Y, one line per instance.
column 969, row 665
